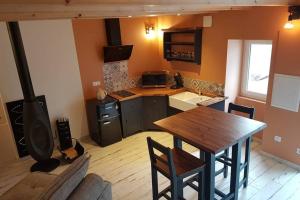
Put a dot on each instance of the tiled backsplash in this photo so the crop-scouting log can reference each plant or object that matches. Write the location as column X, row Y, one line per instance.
column 116, row 78
column 204, row 86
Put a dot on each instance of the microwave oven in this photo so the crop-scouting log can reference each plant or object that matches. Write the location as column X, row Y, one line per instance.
column 154, row 79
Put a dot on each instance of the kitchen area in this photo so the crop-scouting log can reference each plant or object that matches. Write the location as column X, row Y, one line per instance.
column 139, row 107
column 133, row 105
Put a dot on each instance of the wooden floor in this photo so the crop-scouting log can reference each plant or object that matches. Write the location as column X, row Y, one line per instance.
column 126, row 165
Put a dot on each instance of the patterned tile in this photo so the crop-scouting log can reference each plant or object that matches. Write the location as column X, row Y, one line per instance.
column 204, row 86
column 116, row 78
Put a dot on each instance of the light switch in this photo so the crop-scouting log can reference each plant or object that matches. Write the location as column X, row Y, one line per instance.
column 207, row 21
column 96, row 83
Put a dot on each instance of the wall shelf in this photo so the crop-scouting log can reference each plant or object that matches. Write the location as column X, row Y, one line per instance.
column 180, row 43
column 192, row 55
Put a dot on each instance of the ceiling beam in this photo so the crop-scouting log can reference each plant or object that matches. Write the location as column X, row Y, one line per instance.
column 54, row 9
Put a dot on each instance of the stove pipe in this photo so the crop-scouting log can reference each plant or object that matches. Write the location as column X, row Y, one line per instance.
column 37, row 129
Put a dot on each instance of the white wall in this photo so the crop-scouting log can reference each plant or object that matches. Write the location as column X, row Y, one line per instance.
column 233, row 70
column 52, row 60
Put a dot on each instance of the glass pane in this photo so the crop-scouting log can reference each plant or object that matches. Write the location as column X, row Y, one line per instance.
column 259, row 67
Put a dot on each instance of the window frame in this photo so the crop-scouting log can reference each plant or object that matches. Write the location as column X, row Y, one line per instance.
column 245, row 69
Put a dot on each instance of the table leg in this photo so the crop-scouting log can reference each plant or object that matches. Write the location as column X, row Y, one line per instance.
column 177, row 142
column 247, row 160
column 209, row 176
column 235, row 170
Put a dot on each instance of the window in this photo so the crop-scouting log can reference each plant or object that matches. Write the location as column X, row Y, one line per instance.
column 257, row 60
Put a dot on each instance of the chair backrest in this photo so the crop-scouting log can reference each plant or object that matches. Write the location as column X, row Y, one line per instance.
column 243, row 109
column 163, row 163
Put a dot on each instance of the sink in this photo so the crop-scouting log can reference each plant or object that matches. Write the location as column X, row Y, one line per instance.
column 186, row 100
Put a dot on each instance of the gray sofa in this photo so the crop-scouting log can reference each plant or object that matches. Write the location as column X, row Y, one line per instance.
column 72, row 184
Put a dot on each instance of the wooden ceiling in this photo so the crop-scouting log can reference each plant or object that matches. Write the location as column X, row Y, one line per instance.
column 53, row 9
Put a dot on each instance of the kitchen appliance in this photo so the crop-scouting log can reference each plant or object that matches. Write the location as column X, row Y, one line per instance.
column 179, row 81
column 154, row 79
column 115, row 51
column 37, row 129
column 124, row 93
column 64, row 133
column 104, row 121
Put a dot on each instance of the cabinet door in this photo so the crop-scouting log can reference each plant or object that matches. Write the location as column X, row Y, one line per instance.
column 131, row 116
column 155, row 108
column 110, row 131
column 218, row 106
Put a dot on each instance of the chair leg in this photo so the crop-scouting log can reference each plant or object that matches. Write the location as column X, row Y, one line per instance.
column 247, row 160
column 154, row 183
column 200, row 186
column 225, row 173
column 174, row 189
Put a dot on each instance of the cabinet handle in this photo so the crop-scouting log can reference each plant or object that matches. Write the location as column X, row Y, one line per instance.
column 105, row 123
column 105, row 116
column 107, row 108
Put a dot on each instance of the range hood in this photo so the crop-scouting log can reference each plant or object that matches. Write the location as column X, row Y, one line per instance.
column 115, row 51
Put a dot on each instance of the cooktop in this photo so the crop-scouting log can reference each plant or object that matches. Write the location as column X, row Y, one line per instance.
column 124, row 93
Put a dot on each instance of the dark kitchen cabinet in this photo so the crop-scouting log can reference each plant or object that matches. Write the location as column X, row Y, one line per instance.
column 218, row 106
column 104, row 121
column 131, row 113
column 154, row 108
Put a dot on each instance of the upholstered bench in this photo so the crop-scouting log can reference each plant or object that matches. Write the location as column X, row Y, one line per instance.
column 72, row 184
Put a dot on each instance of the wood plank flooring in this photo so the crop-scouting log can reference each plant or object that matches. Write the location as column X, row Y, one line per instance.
column 126, row 165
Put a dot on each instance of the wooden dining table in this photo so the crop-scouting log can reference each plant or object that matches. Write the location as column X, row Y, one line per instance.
column 212, row 131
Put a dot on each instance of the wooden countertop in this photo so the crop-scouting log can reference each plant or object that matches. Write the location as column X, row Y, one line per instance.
column 148, row 92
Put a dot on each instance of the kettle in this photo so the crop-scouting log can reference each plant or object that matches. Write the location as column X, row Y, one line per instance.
column 101, row 94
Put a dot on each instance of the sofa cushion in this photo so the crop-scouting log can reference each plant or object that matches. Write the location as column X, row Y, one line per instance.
column 31, row 187
column 67, row 181
column 92, row 187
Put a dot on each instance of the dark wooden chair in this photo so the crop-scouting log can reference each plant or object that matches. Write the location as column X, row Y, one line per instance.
column 225, row 157
column 175, row 164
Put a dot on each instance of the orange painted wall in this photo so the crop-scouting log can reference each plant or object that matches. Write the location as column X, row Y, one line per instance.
column 282, row 122
column 145, row 56
column 90, row 38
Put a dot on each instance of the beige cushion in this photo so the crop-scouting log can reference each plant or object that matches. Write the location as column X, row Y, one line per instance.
column 66, row 182
column 37, row 185
column 31, row 187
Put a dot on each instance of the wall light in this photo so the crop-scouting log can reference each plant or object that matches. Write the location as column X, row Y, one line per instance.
column 150, row 31
column 294, row 15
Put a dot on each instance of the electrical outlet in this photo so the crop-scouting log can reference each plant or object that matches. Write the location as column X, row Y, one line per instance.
column 277, row 138
column 96, row 83
column 298, row 151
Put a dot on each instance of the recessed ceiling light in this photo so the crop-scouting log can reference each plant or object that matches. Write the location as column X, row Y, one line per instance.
column 129, row 16
column 178, row 14
column 152, row 15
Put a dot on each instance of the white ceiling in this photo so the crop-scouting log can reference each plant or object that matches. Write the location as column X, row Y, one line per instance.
column 40, row 9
